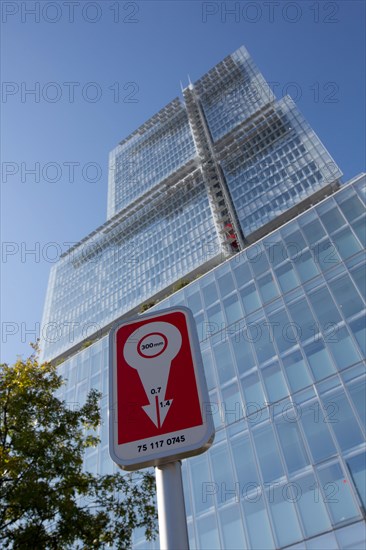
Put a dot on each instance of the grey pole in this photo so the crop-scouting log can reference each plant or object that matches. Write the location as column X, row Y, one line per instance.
column 171, row 511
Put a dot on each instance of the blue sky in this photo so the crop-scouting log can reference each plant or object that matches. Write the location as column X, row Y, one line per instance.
column 100, row 69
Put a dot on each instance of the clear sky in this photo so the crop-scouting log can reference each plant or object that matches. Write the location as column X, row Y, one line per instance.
column 100, row 69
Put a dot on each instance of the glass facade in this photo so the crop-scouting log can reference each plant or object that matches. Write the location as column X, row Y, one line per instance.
column 109, row 273
column 159, row 149
column 190, row 187
column 231, row 93
column 232, row 185
column 277, row 167
column 282, row 332
column 269, row 158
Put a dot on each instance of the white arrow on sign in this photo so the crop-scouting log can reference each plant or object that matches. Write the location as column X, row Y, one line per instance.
column 150, row 350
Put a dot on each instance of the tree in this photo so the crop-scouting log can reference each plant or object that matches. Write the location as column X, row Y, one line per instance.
column 46, row 499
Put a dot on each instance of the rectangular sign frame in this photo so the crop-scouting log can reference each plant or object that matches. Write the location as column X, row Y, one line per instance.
column 136, row 351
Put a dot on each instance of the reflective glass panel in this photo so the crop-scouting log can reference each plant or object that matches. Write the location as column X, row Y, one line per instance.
column 359, row 228
column 346, row 243
column 233, row 309
column 358, row 329
column 258, row 525
column 187, row 495
column 224, row 362
column 194, row 302
column 242, row 272
column 332, row 219
column 226, row 284
column 209, row 369
column 303, row 318
column 359, row 277
column 296, row 370
column 319, row 360
column 358, row 395
column 336, row 493
column 343, row 349
column 267, row 288
column 357, row 468
column 286, row 333
column 200, row 474
column 284, row 517
column 243, row 352
column 313, row 512
column 352, row 537
column 292, row 445
column 305, row 266
column 267, row 453
column 286, row 277
column 346, row 295
column 209, row 293
column 232, row 529
column 352, row 207
column 250, row 298
column 257, row 260
column 223, row 474
column 344, row 423
column 324, row 542
column 313, row 231
column 315, row 426
column 253, row 392
column 232, row 407
column 244, row 463
column 215, row 317
column 274, row 382
column 208, row 535
column 324, row 307
column 326, row 254
column 263, row 341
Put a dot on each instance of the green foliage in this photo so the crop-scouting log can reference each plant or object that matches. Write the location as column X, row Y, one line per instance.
column 86, row 344
column 146, row 306
column 180, row 284
column 46, row 499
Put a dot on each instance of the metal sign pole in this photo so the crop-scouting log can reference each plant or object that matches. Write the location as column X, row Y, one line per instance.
column 171, row 510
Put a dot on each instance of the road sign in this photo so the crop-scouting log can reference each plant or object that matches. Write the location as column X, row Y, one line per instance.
column 158, row 398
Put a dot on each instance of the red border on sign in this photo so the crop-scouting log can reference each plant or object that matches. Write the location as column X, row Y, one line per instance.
column 185, row 411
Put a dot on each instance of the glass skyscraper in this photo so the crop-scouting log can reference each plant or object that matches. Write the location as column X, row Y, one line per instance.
column 231, row 190
column 196, row 183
